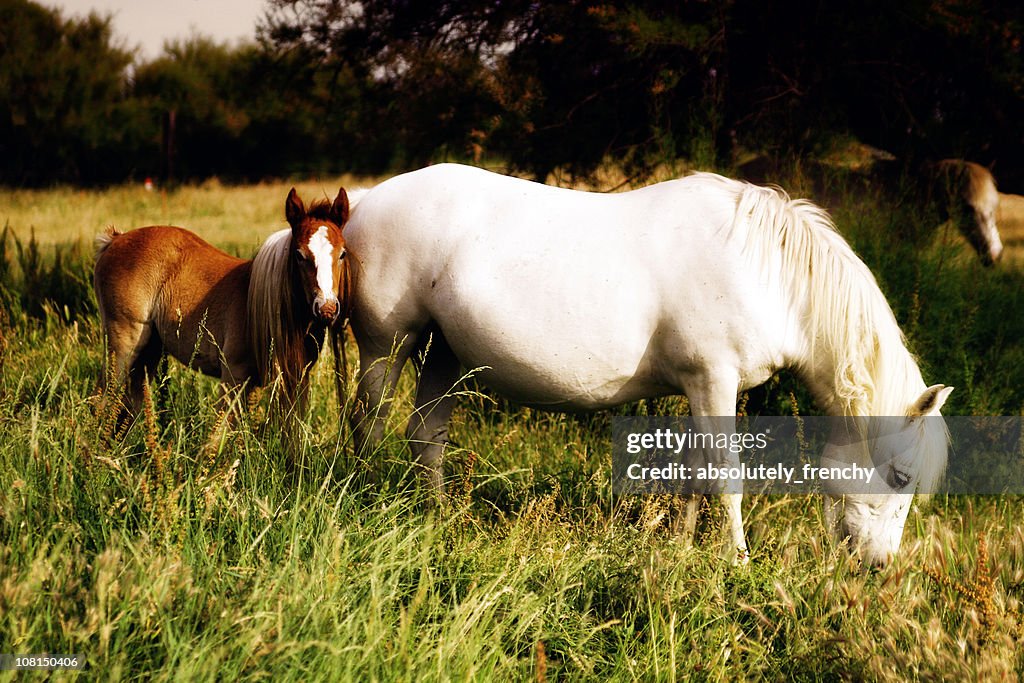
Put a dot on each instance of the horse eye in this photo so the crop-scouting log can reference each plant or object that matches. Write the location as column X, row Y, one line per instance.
column 899, row 479
column 341, row 256
column 299, row 255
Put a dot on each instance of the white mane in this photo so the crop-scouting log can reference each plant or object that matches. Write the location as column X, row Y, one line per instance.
column 849, row 318
column 267, row 301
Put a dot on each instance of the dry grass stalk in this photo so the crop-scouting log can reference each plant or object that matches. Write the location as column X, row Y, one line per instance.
column 980, row 592
column 542, row 663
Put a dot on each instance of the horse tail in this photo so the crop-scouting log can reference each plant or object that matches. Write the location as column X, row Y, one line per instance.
column 104, row 239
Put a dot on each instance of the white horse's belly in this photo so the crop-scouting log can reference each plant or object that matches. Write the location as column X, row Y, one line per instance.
column 545, row 372
column 545, row 342
column 539, row 336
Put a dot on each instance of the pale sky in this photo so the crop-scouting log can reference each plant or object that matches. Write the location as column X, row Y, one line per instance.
column 146, row 24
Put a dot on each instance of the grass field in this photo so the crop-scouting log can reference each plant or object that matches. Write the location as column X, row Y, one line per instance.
column 169, row 556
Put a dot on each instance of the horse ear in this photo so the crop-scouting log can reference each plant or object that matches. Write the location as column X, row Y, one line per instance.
column 294, row 209
column 340, row 209
column 930, row 401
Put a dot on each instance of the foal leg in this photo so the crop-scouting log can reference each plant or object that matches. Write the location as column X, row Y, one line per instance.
column 146, row 368
column 127, row 345
column 713, row 402
column 428, row 426
column 236, row 384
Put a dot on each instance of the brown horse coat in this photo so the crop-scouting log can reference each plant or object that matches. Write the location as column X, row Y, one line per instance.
column 163, row 289
column 191, row 304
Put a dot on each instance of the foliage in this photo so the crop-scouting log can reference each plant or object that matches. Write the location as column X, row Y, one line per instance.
column 73, row 110
column 241, row 113
column 545, row 85
column 63, row 110
column 384, row 85
column 542, row 85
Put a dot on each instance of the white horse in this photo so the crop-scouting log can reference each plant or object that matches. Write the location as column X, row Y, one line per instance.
column 570, row 300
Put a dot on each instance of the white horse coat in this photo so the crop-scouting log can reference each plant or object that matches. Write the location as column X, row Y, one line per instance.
column 578, row 301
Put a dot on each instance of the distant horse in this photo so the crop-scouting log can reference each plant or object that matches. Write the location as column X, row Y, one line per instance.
column 965, row 193
column 162, row 289
column 569, row 300
column 962, row 193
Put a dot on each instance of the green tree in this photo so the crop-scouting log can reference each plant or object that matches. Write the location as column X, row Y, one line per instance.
column 63, row 109
column 195, row 80
column 572, row 83
column 542, row 85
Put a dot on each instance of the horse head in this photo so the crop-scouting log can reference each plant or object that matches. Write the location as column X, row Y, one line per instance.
column 968, row 195
column 318, row 251
column 984, row 234
column 906, row 455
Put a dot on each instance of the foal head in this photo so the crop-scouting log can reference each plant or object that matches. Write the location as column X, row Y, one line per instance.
column 318, row 250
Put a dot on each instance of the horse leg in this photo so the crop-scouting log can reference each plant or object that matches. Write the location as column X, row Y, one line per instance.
column 713, row 403
column 684, row 526
column 379, row 370
column 237, row 380
column 146, row 368
column 428, row 426
column 127, row 362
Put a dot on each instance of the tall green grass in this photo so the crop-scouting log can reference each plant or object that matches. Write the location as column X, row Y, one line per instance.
column 167, row 554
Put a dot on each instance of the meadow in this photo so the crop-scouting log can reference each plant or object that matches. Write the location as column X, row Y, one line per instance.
column 162, row 554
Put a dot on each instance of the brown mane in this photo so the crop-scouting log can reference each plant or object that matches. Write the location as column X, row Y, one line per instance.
column 320, row 209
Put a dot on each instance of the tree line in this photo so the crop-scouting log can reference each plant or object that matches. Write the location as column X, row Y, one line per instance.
column 378, row 85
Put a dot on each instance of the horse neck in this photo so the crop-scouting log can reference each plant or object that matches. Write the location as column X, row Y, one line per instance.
column 858, row 363
column 848, row 346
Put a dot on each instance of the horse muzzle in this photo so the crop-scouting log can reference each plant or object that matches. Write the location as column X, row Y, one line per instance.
column 995, row 253
column 328, row 310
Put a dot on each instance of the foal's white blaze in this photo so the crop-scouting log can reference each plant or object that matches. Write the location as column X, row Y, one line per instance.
column 322, row 249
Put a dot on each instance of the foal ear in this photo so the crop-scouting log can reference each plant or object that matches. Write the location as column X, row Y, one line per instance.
column 340, row 208
column 930, row 401
column 294, row 209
